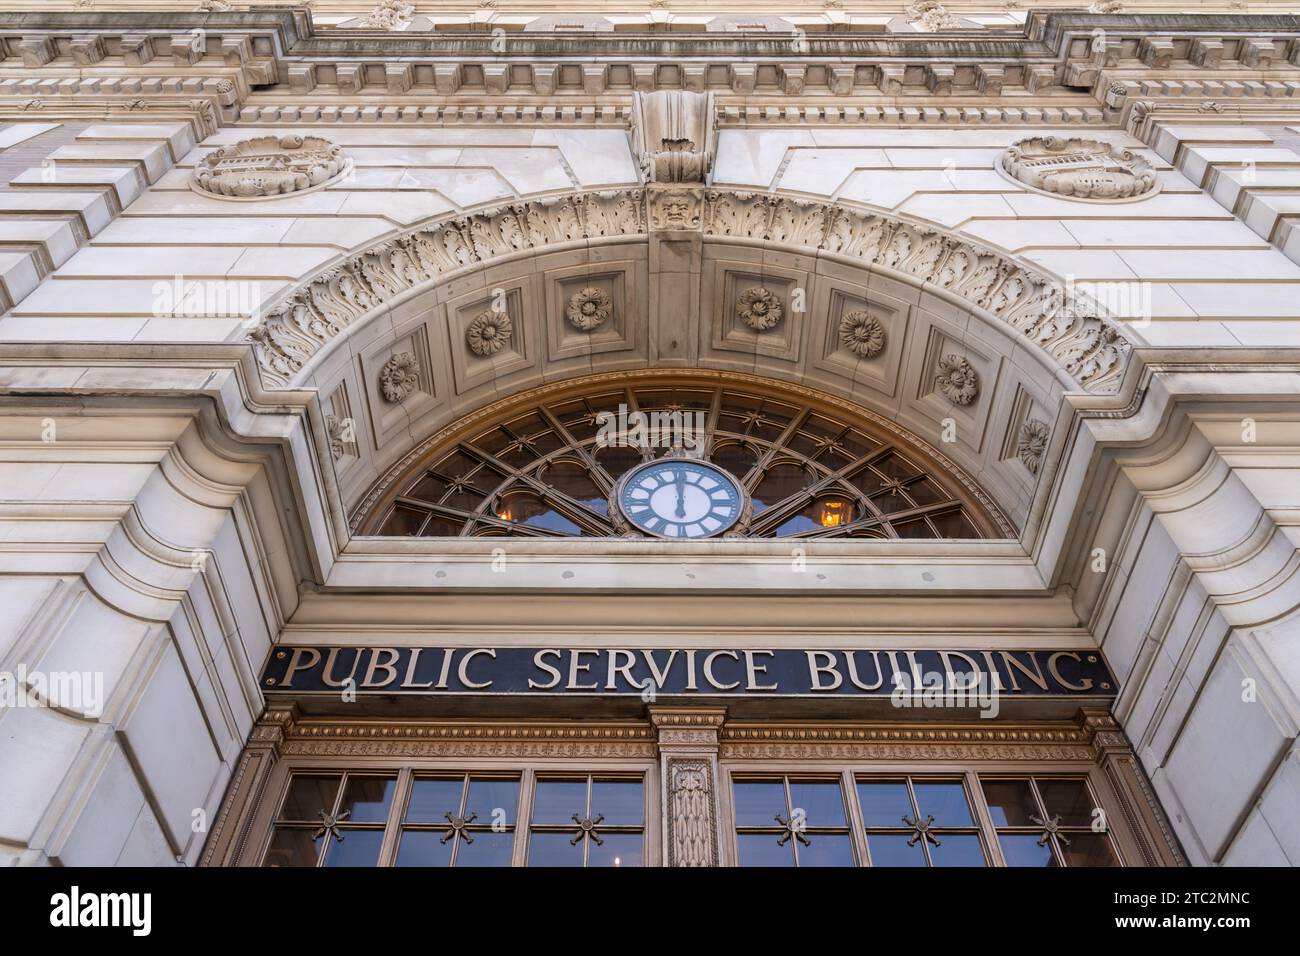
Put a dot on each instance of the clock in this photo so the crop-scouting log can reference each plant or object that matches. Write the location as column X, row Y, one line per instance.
column 680, row 498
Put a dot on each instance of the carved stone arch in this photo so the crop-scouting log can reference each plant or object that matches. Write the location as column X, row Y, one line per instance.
column 1071, row 333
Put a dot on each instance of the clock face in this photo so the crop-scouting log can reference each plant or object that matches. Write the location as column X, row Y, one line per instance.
column 678, row 498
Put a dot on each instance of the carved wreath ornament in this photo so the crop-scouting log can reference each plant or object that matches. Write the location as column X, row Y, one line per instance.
column 759, row 308
column 957, row 380
column 399, row 377
column 1079, row 168
column 589, row 308
column 1037, row 308
column 862, row 334
column 489, row 332
column 269, row 166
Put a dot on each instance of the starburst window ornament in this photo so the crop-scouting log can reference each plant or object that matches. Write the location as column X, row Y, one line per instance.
column 921, row 830
column 587, row 828
column 1051, row 828
column 459, row 827
column 330, row 825
column 793, row 828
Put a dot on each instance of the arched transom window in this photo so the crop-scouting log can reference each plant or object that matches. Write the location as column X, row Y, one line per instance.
column 682, row 459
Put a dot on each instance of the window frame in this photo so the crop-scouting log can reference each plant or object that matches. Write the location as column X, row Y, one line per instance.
column 970, row 772
column 261, row 822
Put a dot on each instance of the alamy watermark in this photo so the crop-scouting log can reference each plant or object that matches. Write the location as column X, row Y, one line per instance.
column 636, row 429
column 82, row 691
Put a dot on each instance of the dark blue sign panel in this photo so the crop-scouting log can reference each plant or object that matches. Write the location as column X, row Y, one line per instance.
column 686, row 672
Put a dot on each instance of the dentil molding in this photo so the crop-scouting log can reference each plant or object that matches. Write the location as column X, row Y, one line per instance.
column 1044, row 311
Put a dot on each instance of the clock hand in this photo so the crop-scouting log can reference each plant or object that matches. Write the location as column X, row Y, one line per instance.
column 681, row 491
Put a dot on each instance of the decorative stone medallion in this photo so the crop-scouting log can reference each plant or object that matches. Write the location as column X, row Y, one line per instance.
column 489, row 332
column 589, row 308
column 931, row 16
column 957, row 380
column 269, row 166
column 862, row 334
column 1079, row 169
column 390, row 15
column 759, row 308
column 399, row 377
column 1032, row 444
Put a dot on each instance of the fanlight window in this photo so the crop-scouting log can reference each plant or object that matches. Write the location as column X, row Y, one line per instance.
column 806, row 470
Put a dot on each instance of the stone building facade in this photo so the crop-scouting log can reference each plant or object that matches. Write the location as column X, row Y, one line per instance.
column 983, row 319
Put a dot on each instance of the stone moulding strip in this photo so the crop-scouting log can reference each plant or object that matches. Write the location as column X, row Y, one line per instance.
column 1072, row 333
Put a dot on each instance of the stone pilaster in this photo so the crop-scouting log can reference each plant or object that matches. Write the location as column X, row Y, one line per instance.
column 1147, row 823
column 688, row 765
column 229, row 836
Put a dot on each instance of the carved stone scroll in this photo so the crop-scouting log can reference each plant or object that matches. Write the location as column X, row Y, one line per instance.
column 672, row 135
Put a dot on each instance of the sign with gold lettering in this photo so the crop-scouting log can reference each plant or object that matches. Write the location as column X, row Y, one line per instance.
column 690, row 672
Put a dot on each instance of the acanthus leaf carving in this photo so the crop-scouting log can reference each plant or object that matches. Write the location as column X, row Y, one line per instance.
column 1043, row 310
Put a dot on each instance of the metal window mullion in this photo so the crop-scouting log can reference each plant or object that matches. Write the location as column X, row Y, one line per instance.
column 857, row 825
column 393, row 825
column 523, row 822
column 984, row 818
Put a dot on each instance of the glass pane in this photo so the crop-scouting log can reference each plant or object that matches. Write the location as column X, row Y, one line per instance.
column 1010, row 802
column 1022, row 849
column 357, row 848
column 737, row 459
column 945, row 801
column 432, row 798
column 572, row 479
column 956, row 849
column 758, row 802
column 292, row 848
column 309, row 796
column 1088, row 849
column 554, row 849
column 890, row 849
column 493, row 801
column 778, row 484
column 616, row 459
column 884, row 803
column 826, row 849
column 488, row 849
column 760, row 849
column 1069, row 799
column 368, row 798
column 403, row 522
column 424, row 848
column 530, row 510
column 556, row 801
column 619, row 849
column 821, row 802
column 618, row 801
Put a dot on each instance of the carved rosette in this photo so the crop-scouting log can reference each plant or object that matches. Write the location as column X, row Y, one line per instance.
column 1106, row 6
column 589, row 308
column 1079, row 168
column 399, row 377
column 1082, row 341
column 489, row 333
column 269, row 166
column 862, row 334
column 1032, row 443
column 759, row 308
column 957, row 380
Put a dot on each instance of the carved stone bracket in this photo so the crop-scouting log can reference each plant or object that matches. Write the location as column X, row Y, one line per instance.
column 688, row 755
column 673, row 135
column 1073, row 333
